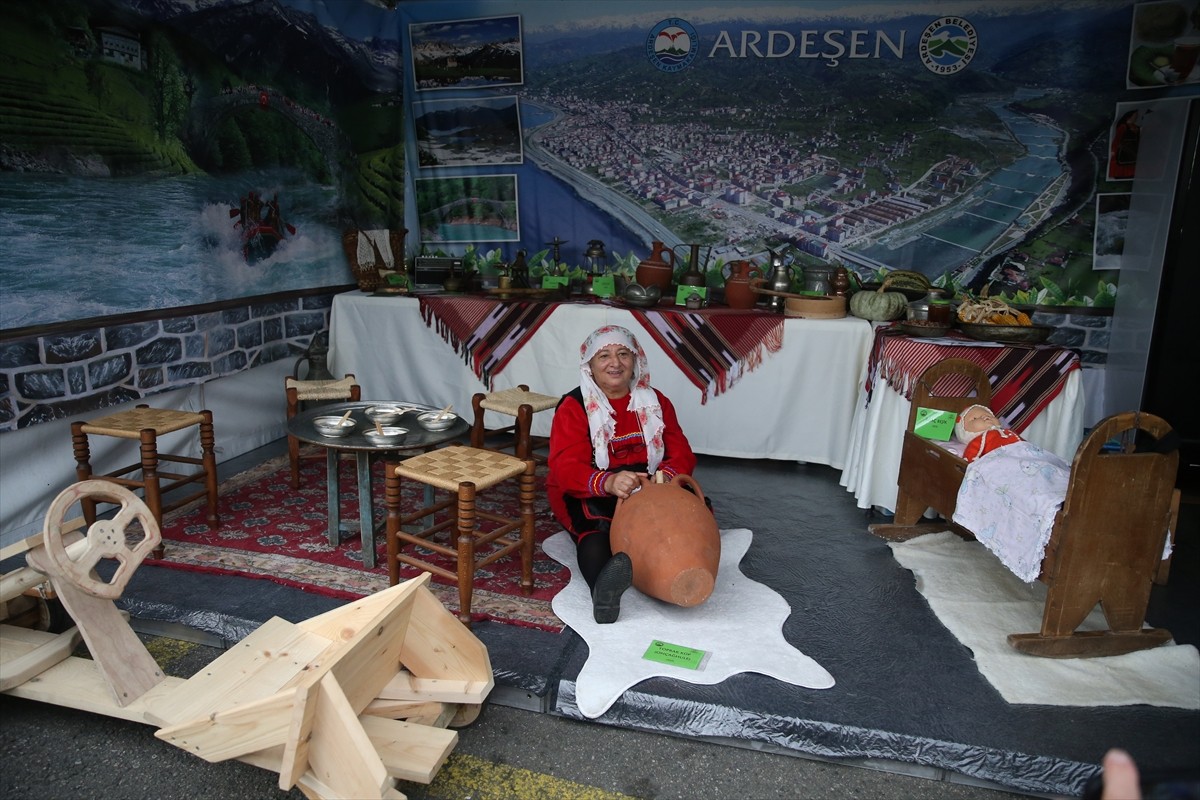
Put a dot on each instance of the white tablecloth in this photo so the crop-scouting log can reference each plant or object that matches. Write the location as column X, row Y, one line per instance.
column 877, row 434
column 797, row 405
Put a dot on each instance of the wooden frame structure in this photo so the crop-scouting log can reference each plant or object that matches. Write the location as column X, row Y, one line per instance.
column 340, row 705
column 1108, row 537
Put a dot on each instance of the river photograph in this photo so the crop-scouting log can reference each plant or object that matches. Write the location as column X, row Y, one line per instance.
column 77, row 248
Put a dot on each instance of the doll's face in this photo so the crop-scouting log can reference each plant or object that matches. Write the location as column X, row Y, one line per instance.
column 978, row 419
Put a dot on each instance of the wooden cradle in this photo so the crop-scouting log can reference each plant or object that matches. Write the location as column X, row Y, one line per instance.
column 1107, row 542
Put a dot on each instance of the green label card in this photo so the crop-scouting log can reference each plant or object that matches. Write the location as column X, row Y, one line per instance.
column 684, row 292
column 555, row 281
column 604, row 286
column 934, row 424
column 676, row 655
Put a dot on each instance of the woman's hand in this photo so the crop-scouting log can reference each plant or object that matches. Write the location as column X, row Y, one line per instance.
column 621, row 484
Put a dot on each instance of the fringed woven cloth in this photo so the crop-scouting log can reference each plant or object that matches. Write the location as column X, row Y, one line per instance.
column 1024, row 379
column 715, row 347
column 486, row 333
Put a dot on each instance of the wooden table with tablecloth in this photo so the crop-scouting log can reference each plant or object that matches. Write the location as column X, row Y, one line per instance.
column 1037, row 391
column 746, row 384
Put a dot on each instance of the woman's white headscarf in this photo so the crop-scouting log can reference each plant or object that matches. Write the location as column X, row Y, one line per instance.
column 642, row 401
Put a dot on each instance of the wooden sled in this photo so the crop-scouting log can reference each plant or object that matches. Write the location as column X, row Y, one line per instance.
column 341, row 705
column 1107, row 542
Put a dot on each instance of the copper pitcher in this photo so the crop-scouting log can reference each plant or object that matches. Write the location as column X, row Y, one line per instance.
column 658, row 269
column 738, row 293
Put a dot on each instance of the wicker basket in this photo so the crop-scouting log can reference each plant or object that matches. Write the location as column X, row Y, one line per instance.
column 368, row 276
column 812, row 307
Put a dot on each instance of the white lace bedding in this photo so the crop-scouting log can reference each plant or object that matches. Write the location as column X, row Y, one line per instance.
column 1009, row 498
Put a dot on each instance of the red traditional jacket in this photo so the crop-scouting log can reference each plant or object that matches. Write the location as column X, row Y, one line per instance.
column 572, row 468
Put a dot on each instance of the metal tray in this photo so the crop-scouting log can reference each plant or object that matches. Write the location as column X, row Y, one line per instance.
column 1006, row 334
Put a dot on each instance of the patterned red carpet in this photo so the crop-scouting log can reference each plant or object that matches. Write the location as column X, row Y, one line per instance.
column 273, row 532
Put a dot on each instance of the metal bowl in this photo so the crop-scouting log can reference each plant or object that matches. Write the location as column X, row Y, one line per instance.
column 641, row 296
column 384, row 415
column 390, row 435
column 333, row 426
column 436, row 421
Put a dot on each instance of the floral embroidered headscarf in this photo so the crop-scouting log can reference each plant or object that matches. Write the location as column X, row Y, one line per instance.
column 643, row 402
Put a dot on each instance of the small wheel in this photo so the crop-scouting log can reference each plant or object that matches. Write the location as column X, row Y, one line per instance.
column 105, row 537
column 465, row 714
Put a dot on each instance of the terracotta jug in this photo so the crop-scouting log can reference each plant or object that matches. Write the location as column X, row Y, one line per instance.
column 738, row 293
column 671, row 538
column 658, row 269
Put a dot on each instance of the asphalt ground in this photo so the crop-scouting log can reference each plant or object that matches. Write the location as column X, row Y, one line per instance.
column 506, row 754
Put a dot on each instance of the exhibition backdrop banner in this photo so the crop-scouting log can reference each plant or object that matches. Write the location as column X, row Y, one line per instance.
column 964, row 140
column 161, row 154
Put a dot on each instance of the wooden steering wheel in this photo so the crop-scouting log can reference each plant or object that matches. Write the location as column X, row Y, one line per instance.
column 105, row 538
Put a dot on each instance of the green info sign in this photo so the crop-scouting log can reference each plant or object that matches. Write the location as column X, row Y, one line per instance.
column 676, row 655
column 934, row 424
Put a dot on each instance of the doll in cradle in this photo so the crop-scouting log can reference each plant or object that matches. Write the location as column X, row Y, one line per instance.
column 982, row 432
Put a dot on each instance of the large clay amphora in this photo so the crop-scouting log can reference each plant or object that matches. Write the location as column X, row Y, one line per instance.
column 738, row 293
column 671, row 538
column 658, row 269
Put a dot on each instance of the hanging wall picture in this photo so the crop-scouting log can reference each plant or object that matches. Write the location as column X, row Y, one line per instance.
column 468, row 132
column 1164, row 44
column 470, row 208
column 467, row 53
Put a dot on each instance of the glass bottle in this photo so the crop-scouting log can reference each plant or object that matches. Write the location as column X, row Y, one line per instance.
column 940, row 310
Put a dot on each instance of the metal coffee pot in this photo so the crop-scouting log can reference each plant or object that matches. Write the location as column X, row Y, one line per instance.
column 317, row 358
column 779, row 279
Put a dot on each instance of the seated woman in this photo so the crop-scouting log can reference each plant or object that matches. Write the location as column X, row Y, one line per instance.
column 605, row 433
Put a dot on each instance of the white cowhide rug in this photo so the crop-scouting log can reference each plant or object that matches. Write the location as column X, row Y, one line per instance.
column 740, row 626
column 981, row 602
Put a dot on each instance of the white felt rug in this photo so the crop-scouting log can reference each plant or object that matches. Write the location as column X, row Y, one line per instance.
column 740, row 626
column 981, row 602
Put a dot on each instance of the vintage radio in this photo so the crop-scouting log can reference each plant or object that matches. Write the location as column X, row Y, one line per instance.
column 429, row 272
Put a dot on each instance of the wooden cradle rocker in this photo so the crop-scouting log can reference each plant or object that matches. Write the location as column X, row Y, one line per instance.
column 1107, row 541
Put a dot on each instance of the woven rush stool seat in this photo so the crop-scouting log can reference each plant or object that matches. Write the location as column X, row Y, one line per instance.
column 519, row 403
column 323, row 391
column 464, row 472
column 145, row 425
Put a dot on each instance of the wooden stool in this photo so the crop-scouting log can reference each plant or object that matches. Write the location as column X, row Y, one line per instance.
column 346, row 389
column 519, row 403
column 147, row 424
column 464, row 472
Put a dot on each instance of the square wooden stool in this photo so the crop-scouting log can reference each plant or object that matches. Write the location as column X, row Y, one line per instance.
column 519, row 403
column 299, row 392
column 464, row 472
column 146, row 424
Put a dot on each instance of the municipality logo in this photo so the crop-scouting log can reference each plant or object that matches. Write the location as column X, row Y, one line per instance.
column 948, row 45
column 672, row 45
